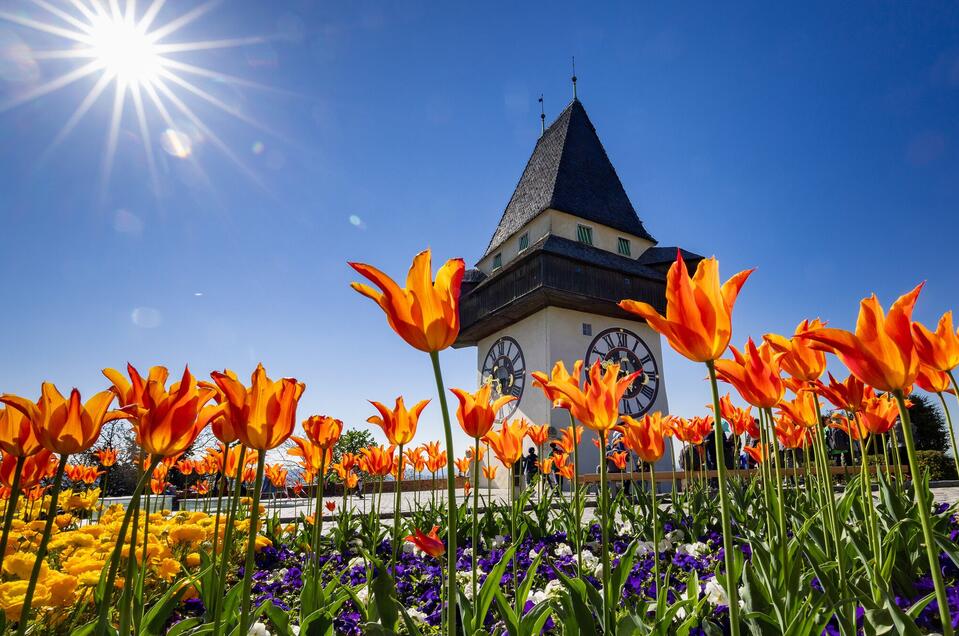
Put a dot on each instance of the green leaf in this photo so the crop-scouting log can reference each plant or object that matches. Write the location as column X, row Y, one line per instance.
column 154, row 621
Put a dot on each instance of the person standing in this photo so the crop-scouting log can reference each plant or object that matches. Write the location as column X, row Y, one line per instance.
column 530, row 466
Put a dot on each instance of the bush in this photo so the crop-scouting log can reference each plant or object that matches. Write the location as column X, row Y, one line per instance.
column 939, row 465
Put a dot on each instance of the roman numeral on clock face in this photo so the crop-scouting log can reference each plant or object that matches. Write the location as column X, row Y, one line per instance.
column 624, row 348
column 504, row 367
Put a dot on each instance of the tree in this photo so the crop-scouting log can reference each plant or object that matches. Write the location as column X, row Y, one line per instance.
column 928, row 424
column 351, row 441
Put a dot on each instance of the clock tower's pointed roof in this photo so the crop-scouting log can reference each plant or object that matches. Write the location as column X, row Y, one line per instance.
column 570, row 172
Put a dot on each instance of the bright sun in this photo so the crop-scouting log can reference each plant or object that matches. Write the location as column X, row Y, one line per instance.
column 124, row 50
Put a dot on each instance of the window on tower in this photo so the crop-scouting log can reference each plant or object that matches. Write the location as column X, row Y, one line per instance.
column 498, row 261
column 524, row 241
column 585, row 234
column 624, row 247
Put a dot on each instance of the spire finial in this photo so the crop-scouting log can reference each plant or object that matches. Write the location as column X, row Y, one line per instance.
column 542, row 115
column 574, row 78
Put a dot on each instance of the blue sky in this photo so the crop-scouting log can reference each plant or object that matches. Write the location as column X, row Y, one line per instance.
column 818, row 144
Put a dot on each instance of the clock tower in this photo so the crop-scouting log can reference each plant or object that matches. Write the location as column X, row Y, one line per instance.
column 568, row 247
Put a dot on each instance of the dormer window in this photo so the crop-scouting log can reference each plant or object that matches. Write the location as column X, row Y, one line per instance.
column 497, row 261
column 585, row 234
column 523, row 241
column 623, row 247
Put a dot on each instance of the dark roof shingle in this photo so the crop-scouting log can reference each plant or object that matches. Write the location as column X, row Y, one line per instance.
column 569, row 171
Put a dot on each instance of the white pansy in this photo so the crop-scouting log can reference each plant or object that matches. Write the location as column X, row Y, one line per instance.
column 417, row 615
column 696, row 549
column 408, row 547
column 499, row 541
column 363, row 594
column 598, row 572
column 642, row 547
column 465, row 581
column 356, row 561
column 295, row 629
column 537, row 596
column 715, row 594
column 676, row 536
column 563, row 549
column 534, row 553
column 554, row 588
column 589, row 560
column 258, row 629
column 665, row 545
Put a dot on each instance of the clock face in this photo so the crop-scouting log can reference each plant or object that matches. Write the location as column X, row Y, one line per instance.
column 622, row 346
column 505, row 368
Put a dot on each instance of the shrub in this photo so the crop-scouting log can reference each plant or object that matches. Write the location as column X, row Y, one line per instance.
column 939, row 465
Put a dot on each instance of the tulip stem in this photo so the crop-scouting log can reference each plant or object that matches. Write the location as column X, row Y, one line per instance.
column 923, row 505
column 732, row 585
column 945, row 408
column 577, row 531
column 397, row 502
column 655, row 512
column 869, row 513
column 42, row 550
column 604, row 533
column 221, row 487
column 474, row 547
column 104, row 609
column 220, row 582
column 245, row 595
column 11, row 504
column 450, row 498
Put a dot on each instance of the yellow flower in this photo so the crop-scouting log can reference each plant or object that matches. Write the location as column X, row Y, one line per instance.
column 19, row 564
column 62, row 587
column 193, row 559
column 262, row 542
column 11, row 597
column 167, row 569
column 63, row 521
column 187, row 533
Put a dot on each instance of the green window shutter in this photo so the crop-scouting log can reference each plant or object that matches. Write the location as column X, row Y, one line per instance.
column 524, row 241
column 498, row 261
column 624, row 247
column 585, row 234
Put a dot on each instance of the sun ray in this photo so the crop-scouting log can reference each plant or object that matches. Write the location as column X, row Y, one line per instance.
column 54, row 84
column 63, row 15
column 77, row 115
column 113, row 135
column 168, row 120
column 45, row 27
column 196, row 121
column 145, row 135
column 63, row 54
column 188, row 47
column 150, row 15
column 178, row 23
column 205, row 96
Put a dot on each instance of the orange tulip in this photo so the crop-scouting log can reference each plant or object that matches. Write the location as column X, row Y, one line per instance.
column 758, row 453
column 933, row 380
column 312, row 457
column 264, row 414
column 35, row 468
column 698, row 320
column 322, row 430
column 740, row 420
column 795, row 356
column 132, row 392
column 754, row 373
column 879, row 414
column 398, row 423
column 430, row 543
column 186, row 466
column 475, row 412
column 63, row 425
column 201, row 488
column 645, row 437
column 490, row 472
column 222, row 425
column 507, row 442
column 852, row 427
column 881, row 351
column 939, row 349
column 330, row 505
column 538, row 433
column 434, row 463
column 566, row 471
column 352, row 481
column 846, row 395
column 377, row 460
column 157, row 486
column 16, row 434
column 467, row 488
column 597, row 404
column 168, row 422
column 479, row 452
column 792, row 434
column 566, row 441
column 349, row 460
column 276, row 474
column 424, row 313
column 415, row 457
column 559, row 382
column 463, row 465
column 107, row 457
column 802, row 410
column 619, row 459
